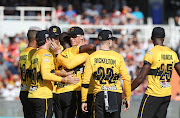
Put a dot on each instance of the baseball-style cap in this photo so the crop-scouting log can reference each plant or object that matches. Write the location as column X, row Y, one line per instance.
column 54, row 31
column 105, row 35
column 65, row 36
column 158, row 32
column 76, row 31
column 42, row 35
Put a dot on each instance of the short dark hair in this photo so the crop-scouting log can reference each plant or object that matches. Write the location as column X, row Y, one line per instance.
column 158, row 32
column 41, row 37
column 31, row 35
column 40, row 43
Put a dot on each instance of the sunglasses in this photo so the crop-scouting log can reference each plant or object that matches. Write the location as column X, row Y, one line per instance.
column 74, row 36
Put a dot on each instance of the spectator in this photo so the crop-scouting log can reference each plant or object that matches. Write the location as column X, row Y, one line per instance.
column 5, row 40
column 177, row 20
column 8, row 94
column 130, row 66
column 90, row 13
column 139, row 16
column 70, row 13
column 85, row 5
column 3, row 68
column 14, row 68
column 98, row 6
column 13, row 48
column 116, row 16
column 59, row 12
column 17, row 89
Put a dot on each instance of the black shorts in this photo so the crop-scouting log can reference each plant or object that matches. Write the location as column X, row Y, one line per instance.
column 100, row 111
column 153, row 107
column 42, row 108
column 65, row 104
column 27, row 107
column 90, row 100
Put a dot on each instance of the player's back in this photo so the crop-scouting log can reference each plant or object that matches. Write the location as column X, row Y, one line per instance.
column 25, row 67
column 162, row 60
column 41, row 88
column 106, row 68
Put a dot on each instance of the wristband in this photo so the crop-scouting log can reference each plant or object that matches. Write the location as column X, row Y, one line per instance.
column 56, row 55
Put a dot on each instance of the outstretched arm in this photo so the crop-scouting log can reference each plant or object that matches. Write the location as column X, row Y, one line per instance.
column 73, row 62
column 87, row 48
column 141, row 76
column 177, row 67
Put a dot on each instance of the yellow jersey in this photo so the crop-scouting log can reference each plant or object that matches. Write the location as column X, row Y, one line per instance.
column 71, row 53
column 105, row 67
column 55, row 61
column 162, row 60
column 25, row 67
column 43, row 75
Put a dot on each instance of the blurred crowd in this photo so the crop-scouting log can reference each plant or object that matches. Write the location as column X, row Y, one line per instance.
column 97, row 12
column 10, row 48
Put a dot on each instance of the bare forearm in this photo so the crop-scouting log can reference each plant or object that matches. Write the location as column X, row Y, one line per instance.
column 141, row 76
column 136, row 83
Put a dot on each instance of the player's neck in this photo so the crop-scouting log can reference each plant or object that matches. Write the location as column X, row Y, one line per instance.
column 32, row 45
column 104, row 47
column 44, row 47
column 81, row 43
column 158, row 42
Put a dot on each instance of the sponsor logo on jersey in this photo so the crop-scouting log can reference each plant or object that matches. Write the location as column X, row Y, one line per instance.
column 108, row 87
column 46, row 60
column 33, row 88
column 49, row 55
column 165, row 84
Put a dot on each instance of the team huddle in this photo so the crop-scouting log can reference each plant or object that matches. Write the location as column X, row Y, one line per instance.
column 60, row 74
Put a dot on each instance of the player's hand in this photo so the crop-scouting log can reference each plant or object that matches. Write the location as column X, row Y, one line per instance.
column 123, row 95
column 72, row 80
column 84, row 107
column 55, row 47
column 127, row 105
column 64, row 73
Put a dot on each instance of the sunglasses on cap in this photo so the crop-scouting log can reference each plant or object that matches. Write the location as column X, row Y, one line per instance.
column 74, row 35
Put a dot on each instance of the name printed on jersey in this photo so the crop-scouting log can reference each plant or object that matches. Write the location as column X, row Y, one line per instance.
column 33, row 88
column 108, row 87
column 165, row 84
column 23, row 86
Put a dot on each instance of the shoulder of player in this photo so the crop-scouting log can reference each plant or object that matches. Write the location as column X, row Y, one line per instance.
column 27, row 49
column 67, row 49
column 112, row 53
column 169, row 49
column 44, row 53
